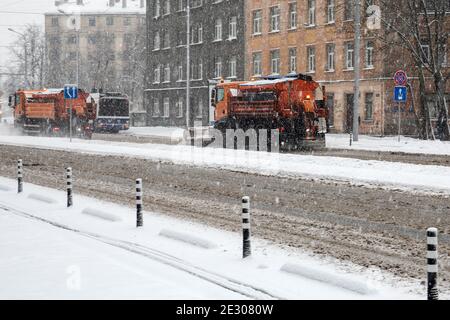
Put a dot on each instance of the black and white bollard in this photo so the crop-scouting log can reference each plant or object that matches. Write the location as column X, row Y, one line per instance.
column 432, row 264
column 19, row 176
column 69, row 187
column 351, row 138
column 246, row 249
column 139, row 217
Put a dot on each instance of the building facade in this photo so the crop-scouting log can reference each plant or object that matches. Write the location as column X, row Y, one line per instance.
column 107, row 39
column 217, row 44
column 316, row 37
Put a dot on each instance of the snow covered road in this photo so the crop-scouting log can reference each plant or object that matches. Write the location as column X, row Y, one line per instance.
column 39, row 261
column 419, row 178
column 48, row 251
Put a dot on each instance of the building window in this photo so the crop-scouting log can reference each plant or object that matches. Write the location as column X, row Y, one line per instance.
column 233, row 63
column 233, row 28
column 275, row 61
column 348, row 10
column 311, row 53
column 55, row 22
column 196, row 3
column 157, row 9
column 443, row 53
column 92, row 39
column 218, row 68
column 369, row 106
column 330, row 105
column 156, row 110
column 179, row 107
column 257, row 22
column 425, row 53
column 126, row 21
column 166, row 107
column 166, row 40
column 166, row 7
column 167, row 73
column 197, row 33
column 275, row 19
column 72, row 39
column 369, row 54
column 330, row 11
column 292, row 60
column 180, row 72
column 293, row 15
column 330, row 57
column 218, row 30
column 311, row 12
column 349, row 56
column 92, row 22
column 181, row 5
column 200, row 109
column 109, row 21
column 200, row 70
column 156, row 41
column 257, row 63
column 156, row 74
column 196, row 70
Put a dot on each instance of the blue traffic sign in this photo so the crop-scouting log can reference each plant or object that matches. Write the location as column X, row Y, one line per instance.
column 70, row 91
column 400, row 94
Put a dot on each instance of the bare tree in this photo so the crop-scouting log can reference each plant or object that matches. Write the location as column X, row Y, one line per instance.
column 29, row 58
column 421, row 29
column 131, row 80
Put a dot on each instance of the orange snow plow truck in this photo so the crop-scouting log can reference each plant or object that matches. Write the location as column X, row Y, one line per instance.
column 294, row 104
column 45, row 112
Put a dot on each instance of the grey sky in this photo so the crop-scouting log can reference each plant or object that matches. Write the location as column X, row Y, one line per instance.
column 17, row 20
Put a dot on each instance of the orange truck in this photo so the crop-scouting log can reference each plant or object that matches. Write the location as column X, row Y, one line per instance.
column 45, row 112
column 294, row 104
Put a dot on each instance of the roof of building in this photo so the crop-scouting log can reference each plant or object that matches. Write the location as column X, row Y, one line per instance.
column 97, row 7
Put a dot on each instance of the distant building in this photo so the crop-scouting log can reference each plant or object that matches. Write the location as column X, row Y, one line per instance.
column 316, row 37
column 111, row 45
column 217, row 36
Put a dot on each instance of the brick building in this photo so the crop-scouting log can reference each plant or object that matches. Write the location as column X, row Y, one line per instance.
column 217, row 36
column 316, row 37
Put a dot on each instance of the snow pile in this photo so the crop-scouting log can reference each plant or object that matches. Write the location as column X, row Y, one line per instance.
column 411, row 177
column 100, row 214
column 174, row 133
column 49, row 251
column 327, row 277
column 187, row 238
column 389, row 144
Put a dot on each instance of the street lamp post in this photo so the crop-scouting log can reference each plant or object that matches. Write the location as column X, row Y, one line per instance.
column 188, row 63
column 77, row 75
column 357, row 70
column 25, row 53
column 77, row 29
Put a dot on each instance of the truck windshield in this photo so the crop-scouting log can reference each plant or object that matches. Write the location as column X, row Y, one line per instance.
column 259, row 96
column 220, row 94
column 110, row 107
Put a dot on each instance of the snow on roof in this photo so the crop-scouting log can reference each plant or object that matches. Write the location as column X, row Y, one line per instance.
column 267, row 82
column 98, row 7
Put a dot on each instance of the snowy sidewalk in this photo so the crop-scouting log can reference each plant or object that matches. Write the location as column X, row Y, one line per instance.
column 411, row 177
column 49, row 251
column 389, row 144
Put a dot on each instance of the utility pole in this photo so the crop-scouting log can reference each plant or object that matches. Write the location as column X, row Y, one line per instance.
column 188, row 64
column 78, row 57
column 357, row 69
